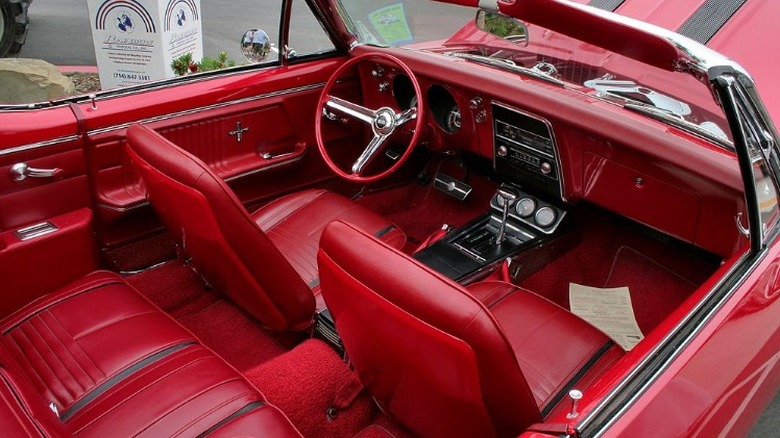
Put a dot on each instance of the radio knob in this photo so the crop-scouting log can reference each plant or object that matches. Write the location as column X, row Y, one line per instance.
column 502, row 151
column 545, row 167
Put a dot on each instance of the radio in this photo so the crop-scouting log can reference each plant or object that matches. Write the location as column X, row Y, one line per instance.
column 525, row 149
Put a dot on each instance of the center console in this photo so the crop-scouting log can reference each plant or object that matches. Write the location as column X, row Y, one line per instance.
column 516, row 222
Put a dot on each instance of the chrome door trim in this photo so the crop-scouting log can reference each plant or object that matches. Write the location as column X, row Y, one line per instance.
column 38, row 145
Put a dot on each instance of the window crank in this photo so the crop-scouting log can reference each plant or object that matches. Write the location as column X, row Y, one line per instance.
column 20, row 172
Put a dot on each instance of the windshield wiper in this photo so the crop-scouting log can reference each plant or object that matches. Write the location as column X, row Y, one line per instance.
column 679, row 121
column 508, row 65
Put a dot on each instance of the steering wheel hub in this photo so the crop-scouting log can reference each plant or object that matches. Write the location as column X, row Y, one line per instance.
column 384, row 121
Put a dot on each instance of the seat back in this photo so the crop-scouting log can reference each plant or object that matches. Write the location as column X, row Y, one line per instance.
column 214, row 230
column 425, row 348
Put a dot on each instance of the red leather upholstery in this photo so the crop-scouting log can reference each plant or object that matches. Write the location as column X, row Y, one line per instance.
column 227, row 246
column 532, row 324
column 114, row 365
column 435, row 356
column 295, row 223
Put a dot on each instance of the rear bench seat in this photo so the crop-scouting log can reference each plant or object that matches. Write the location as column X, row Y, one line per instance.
column 96, row 358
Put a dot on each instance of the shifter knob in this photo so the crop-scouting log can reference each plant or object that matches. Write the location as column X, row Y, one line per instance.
column 506, row 197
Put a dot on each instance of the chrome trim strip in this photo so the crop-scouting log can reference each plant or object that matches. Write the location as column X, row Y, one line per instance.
column 677, row 350
column 38, row 145
column 266, row 168
column 124, row 209
column 37, row 230
column 209, row 107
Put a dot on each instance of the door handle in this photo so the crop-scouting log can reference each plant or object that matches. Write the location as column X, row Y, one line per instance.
column 21, row 171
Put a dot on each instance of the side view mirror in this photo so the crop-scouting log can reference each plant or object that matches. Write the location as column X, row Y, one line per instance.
column 508, row 28
column 255, row 45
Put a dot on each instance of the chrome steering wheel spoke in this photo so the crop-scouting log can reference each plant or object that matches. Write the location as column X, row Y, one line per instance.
column 351, row 109
column 405, row 116
column 369, row 153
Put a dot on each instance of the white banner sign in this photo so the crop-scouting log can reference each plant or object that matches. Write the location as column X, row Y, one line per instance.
column 136, row 40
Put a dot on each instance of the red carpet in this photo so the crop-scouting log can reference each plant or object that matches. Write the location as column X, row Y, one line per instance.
column 419, row 211
column 232, row 335
column 303, row 382
column 652, row 286
column 660, row 275
column 219, row 324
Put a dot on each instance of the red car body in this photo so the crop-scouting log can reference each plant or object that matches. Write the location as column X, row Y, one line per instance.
column 708, row 369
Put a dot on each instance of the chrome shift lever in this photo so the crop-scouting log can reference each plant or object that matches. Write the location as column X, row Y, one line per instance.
column 506, row 196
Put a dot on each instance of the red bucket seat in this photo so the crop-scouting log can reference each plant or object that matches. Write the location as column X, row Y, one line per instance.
column 264, row 261
column 445, row 361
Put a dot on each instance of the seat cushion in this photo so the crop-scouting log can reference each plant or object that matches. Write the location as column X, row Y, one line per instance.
column 96, row 358
column 294, row 223
column 548, row 371
column 72, row 341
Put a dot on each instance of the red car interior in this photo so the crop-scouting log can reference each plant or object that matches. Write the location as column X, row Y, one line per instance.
column 96, row 358
column 443, row 360
column 194, row 267
column 266, row 261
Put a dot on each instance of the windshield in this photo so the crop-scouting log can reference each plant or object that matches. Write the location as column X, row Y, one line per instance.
column 451, row 30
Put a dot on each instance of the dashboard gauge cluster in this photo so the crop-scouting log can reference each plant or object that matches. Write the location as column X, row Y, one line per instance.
column 532, row 211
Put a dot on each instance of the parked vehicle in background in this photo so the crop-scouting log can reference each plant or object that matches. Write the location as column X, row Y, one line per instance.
column 13, row 25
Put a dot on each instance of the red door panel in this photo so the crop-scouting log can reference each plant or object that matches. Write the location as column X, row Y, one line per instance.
column 46, row 229
column 272, row 111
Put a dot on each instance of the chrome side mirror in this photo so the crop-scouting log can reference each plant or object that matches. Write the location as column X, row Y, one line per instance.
column 255, row 45
column 502, row 26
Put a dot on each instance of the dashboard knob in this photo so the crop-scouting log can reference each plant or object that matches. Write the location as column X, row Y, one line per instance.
column 545, row 168
column 383, row 87
column 475, row 103
column 502, row 151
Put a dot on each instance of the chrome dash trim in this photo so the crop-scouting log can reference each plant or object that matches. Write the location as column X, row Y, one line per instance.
column 192, row 111
column 38, row 145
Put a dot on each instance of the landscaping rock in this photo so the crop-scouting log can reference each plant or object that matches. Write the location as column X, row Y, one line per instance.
column 31, row 80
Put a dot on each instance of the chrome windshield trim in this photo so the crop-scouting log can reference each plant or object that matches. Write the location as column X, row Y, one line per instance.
column 699, row 58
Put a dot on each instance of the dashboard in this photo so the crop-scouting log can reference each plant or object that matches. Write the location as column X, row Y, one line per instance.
column 565, row 148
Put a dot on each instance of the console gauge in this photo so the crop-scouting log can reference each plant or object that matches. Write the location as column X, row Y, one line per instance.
column 525, row 207
column 545, row 217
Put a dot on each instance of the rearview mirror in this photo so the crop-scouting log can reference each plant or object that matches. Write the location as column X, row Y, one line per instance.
column 508, row 28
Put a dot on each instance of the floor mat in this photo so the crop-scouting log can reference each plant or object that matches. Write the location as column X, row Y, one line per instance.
column 655, row 288
column 303, row 382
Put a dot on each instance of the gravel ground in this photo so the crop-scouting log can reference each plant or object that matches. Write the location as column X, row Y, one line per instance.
column 85, row 82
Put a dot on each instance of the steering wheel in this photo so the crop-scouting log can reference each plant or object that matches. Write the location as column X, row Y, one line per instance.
column 384, row 121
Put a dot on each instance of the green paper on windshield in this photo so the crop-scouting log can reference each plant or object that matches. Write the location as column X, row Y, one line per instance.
column 391, row 24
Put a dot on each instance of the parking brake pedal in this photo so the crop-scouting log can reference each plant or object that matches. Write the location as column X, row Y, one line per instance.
column 451, row 186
